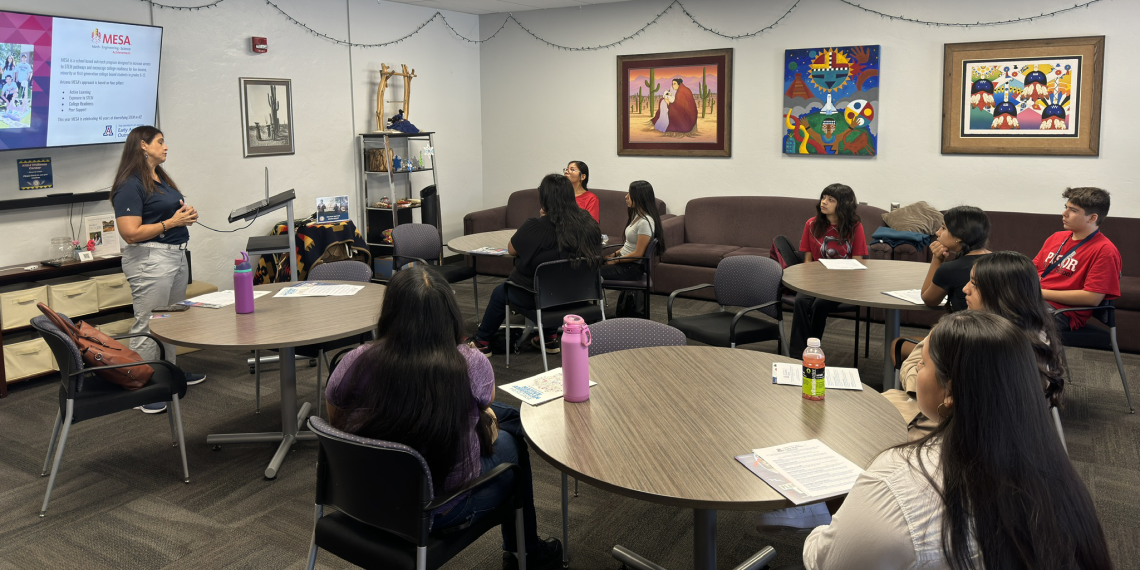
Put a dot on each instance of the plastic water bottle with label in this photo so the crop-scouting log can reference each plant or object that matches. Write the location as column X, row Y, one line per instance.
column 814, row 370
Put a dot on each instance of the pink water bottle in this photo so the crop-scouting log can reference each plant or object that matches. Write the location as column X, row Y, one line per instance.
column 575, row 359
column 243, row 285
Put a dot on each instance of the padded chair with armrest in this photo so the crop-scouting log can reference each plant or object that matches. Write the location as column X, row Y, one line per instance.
column 748, row 281
column 347, row 270
column 420, row 242
column 83, row 395
column 624, row 334
column 384, row 499
column 795, row 257
column 644, row 283
column 1098, row 338
column 560, row 289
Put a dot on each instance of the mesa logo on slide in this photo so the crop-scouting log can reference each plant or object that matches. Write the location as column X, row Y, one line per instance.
column 113, row 39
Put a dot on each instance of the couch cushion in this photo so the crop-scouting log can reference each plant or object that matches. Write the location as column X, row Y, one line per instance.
column 614, row 213
column 754, row 221
column 760, row 251
column 699, row 254
column 1129, row 294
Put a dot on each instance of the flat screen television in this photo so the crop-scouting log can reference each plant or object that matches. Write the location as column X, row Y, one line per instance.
column 71, row 82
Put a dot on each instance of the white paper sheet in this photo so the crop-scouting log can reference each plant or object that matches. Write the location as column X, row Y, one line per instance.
column 911, row 295
column 844, row 264
column 538, row 389
column 218, row 299
column 318, row 289
column 834, row 377
column 816, row 470
column 489, row 251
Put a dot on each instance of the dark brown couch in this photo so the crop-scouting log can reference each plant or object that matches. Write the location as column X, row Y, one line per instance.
column 1021, row 232
column 718, row 227
column 523, row 204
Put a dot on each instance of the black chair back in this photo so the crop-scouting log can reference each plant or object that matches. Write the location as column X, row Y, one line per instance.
column 564, row 282
column 379, row 483
column 66, row 354
column 429, row 207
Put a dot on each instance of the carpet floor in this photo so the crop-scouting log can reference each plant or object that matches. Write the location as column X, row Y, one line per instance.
column 119, row 501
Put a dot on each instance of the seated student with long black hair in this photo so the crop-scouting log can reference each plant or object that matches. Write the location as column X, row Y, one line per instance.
column 990, row 487
column 642, row 226
column 1004, row 283
column 835, row 232
column 561, row 231
column 418, row 385
column 964, row 234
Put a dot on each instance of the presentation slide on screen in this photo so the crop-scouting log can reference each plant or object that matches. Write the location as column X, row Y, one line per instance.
column 74, row 82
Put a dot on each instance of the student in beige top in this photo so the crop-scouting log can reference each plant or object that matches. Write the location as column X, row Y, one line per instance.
column 991, row 483
column 1005, row 283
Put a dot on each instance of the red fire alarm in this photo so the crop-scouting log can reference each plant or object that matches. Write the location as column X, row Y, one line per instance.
column 259, row 45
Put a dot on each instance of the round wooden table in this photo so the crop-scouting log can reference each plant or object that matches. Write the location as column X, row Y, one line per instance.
column 468, row 243
column 865, row 288
column 281, row 323
column 665, row 425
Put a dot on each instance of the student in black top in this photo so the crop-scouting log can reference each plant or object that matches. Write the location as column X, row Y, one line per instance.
column 562, row 231
column 964, row 236
column 152, row 217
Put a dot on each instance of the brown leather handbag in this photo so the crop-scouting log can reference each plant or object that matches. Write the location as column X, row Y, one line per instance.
column 98, row 349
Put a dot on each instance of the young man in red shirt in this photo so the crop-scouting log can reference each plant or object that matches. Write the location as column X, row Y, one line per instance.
column 1079, row 267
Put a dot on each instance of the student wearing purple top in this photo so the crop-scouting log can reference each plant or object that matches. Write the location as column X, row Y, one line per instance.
column 380, row 390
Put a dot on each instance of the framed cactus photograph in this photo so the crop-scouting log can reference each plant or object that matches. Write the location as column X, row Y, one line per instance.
column 675, row 104
column 1031, row 97
column 266, row 116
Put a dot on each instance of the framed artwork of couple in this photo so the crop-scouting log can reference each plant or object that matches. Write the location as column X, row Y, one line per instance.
column 675, row 104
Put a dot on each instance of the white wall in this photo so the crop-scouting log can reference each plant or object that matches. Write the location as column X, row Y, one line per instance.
column 204, row 54
column 566, row 101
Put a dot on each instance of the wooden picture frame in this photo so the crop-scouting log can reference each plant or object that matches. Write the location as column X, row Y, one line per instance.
column 263, row 133
column 699, row 122
column 1039, row 97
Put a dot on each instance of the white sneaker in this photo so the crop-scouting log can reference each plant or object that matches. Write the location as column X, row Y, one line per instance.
column 794, row 520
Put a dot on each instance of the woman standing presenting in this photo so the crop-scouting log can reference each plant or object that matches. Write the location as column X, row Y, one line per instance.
column 152, row 219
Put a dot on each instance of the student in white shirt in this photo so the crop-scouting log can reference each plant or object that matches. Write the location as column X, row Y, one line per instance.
column 643, row 224
column 990, row 487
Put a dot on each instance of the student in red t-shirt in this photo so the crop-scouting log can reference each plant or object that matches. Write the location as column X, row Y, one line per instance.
column 577, row 172
column 1079, row 267
column 834, row 233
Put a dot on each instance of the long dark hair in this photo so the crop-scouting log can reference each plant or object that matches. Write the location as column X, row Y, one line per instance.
column 969, row 224
column 1006, row 480
column 645, row 204
column 133, row 162
column 1008, row 284
column 584, row 171
column 578, row 234
column 411, row 386
column 844, row 210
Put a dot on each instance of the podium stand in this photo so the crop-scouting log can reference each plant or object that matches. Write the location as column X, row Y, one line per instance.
column 266, row 245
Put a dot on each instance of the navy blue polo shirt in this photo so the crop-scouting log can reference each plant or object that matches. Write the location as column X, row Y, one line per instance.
column 130, row 199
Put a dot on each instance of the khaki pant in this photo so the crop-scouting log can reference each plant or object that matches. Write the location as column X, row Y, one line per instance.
column 158, row 278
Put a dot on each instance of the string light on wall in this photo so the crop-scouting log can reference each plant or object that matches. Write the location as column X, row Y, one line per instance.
column 184, row 8
column 974, row 24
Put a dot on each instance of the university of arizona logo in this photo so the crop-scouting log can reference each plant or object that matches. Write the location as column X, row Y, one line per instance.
column 108, row 132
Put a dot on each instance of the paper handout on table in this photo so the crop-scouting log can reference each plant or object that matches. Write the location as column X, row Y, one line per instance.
column 318, row 289
column 538, row 389
column 489, row 251
column 834, row 377
column 911, row 295
column 847, row 264
column 217, row 299
column 803, row 471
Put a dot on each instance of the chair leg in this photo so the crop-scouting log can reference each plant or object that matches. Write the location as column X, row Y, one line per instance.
column 575, row 486
column 1120, row 368
column 857, row 311
column 565, row 524
column 320, row 359
column 647, row 312
column 176, row 413
column 541, row 340
column 866, row 335
column 507, row 321
column 173, row 433
column 475, row 289
column 68, row 415
column 421, row 558
column 783, row 338
column 52, row 442
column 1060, row 432
column 520, row 539
column 313, row 542
column 257, row 381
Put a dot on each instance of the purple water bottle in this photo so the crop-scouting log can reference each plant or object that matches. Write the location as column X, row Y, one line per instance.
column 243, row 285
column 575, row 359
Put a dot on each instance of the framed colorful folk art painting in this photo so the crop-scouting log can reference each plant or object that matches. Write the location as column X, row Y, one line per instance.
column 831, row 95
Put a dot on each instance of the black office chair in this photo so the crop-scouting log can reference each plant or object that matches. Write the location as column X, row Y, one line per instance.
column 420, row 242
column 644, row 283
column 794, row 257
column 382, row 492
column 746, row 281
column 1098, row 338
column 561, row 288
column 83, row 395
